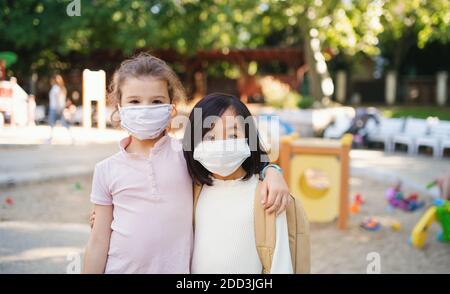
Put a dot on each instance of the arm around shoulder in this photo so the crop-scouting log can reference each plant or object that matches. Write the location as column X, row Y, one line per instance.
column 96, row 253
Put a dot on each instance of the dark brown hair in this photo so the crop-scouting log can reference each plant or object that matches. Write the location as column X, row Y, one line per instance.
column 214, row 105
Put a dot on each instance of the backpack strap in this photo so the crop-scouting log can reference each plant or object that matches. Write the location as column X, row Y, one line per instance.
column 299, row 239
column 298, row 230
column 265, row 235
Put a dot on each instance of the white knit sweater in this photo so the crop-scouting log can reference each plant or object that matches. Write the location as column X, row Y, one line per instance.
column 224, row 240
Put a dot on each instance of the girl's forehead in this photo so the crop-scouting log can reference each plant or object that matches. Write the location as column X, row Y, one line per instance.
column 133, row 84
column 229, row 112
column 227, row 121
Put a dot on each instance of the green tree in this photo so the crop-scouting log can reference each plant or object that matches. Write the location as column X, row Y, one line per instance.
column 413, row 23
column 43, row 34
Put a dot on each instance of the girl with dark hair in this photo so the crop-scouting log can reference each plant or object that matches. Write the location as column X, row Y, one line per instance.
column 226, row 158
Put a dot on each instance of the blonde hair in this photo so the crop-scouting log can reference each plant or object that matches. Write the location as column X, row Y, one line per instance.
column 144, row 64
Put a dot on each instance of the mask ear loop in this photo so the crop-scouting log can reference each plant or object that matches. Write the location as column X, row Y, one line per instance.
column 169, row 126
column 114, row 122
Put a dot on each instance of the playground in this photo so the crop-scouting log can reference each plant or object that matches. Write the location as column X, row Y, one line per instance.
column 41, row 230
column 350, row 98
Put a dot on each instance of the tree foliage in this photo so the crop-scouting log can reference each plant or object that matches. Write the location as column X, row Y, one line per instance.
column 41, row 32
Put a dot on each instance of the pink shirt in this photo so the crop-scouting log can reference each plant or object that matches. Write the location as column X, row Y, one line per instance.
column 152, row 198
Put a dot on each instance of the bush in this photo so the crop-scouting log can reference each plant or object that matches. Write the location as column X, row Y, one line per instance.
column 279, row 95
column 305, row 102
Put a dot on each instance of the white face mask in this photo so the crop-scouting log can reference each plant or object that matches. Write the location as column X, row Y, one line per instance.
column 222, row 157
column 145, row 121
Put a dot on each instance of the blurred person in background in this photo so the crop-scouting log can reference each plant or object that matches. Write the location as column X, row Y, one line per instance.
column 57, row 97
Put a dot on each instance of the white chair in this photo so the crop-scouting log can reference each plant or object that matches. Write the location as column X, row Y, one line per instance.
column 445, row 143
column 371, row 126
column 438, row 133
column 384, row 132
column 341, row 124
column 445, row 137
column 413, row 129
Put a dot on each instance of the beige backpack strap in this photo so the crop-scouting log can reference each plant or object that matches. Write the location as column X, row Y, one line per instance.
column 299, row 239
column 196, row 189
column 265, row 235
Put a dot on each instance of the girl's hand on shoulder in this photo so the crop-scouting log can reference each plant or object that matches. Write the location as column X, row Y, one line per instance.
column 275, row 196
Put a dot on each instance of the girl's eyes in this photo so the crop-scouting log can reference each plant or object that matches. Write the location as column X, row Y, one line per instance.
column 212, row 138
column 138, row 101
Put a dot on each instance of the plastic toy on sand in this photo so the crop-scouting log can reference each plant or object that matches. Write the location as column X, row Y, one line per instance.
column 396, row 199
column 9, row 201
column 357, row 202
column 376, row 223
column 77, row 186
column 440, row 211
column 371, row 224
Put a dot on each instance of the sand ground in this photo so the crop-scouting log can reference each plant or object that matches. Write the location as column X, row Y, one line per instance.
column 47, row 224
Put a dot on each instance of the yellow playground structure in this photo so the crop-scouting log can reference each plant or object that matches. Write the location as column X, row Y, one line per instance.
column 317, row 171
